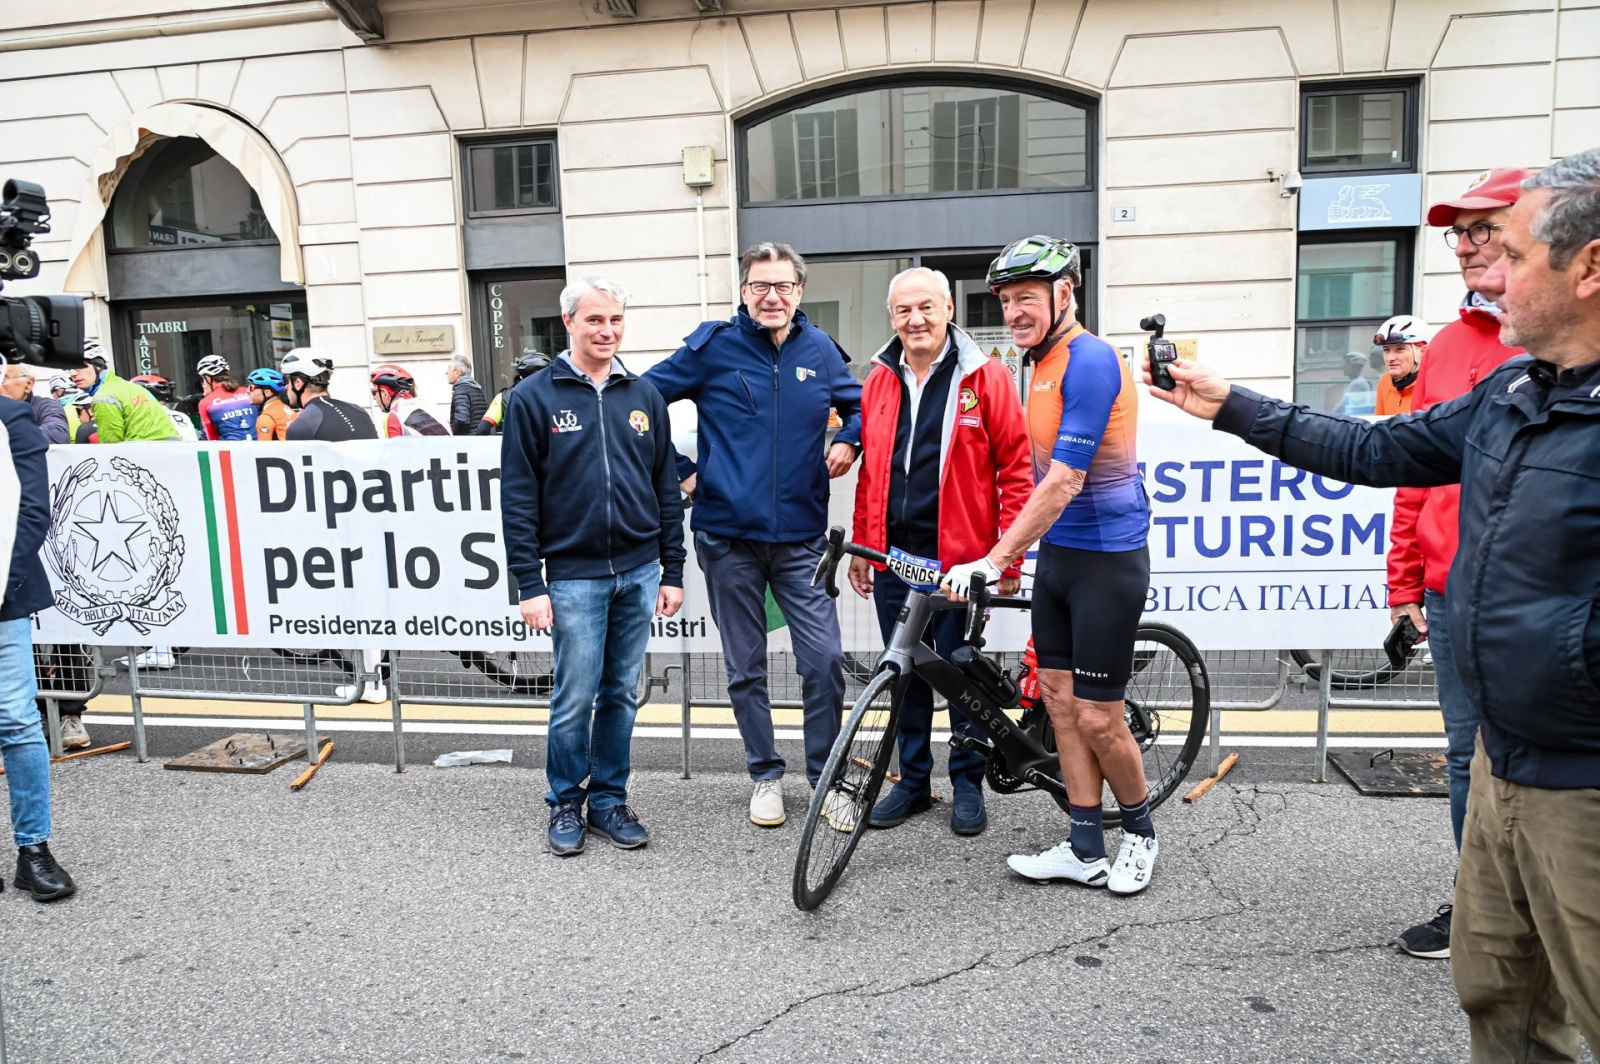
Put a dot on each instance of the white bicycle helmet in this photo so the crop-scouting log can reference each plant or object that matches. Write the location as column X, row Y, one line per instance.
column 1400, row 329
column 304, row 362
column 212, row 366
column 61, row 383
column 93, row 354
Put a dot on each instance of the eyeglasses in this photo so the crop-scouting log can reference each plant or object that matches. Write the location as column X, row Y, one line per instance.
column 1478, row 233
column 761, row 288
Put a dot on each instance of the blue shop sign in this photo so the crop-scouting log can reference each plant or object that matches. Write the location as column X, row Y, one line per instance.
column 1371, row 201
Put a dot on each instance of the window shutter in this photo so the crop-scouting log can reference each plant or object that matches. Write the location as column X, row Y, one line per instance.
column 783, row 160
column 1009, row 121
column 944, row 148
column 846, row 152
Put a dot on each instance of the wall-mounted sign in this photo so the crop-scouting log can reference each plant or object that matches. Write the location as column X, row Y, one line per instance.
column 413, row 339
column 1372, row 201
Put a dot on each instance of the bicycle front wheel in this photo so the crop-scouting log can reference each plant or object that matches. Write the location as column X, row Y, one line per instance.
column 847, row 790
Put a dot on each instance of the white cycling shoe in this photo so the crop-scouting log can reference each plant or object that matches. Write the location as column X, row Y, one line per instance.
column 1136, row 860
column 1058, row 864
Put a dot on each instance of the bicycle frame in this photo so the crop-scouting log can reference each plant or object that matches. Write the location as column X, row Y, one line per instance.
column 909, row 656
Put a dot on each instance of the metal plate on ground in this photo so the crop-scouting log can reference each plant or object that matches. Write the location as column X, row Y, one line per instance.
column 1394, row 773
column 252, row 752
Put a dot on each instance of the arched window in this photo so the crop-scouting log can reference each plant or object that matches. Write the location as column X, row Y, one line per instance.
column 917, row 139
column 180, row 193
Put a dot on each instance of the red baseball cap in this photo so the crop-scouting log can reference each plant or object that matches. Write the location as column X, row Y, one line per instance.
column 1490, row 189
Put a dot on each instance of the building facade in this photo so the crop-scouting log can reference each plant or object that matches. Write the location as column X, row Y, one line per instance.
column 396, row 181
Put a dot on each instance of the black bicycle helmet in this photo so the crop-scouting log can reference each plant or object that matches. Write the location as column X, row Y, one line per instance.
column 528, row 363
column 1036, row 258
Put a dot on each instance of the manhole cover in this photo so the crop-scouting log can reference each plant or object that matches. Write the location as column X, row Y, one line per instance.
column 253, row 752
column 1395, row 774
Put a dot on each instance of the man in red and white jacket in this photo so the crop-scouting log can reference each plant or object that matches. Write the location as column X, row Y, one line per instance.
column 1422, row 540
column 945, row 469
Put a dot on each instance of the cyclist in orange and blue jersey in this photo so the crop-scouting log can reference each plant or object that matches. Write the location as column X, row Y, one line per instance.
column 1090, row 515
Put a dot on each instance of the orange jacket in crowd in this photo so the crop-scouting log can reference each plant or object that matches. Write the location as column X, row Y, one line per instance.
column 1392, row 400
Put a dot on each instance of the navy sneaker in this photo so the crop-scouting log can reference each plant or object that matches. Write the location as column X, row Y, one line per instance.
column 968, row 817
column 620, row 826
column 566, row 830
column 901, row 805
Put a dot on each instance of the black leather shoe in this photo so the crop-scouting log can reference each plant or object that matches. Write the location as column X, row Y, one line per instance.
column 901, row 805
column 40, row 875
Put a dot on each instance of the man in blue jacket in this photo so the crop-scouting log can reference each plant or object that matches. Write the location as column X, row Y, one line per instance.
column 763, row 383
column 593, row 527
column 1523, row 602
column 26, row 590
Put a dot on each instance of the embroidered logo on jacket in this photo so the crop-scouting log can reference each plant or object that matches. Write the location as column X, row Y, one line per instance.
column 566, row 421
column 802, row 372
column 969, row 399
column 640, row 421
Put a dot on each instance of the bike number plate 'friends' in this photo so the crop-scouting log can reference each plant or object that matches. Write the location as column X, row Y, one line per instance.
column 920, row 574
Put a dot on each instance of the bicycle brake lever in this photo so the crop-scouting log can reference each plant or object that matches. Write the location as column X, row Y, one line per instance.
column 977, row 604
column 828, row 564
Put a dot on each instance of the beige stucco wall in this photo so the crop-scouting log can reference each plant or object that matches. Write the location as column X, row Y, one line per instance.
column 1199, row 102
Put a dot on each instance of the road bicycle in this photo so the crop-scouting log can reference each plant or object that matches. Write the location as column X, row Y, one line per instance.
column 1167, row 709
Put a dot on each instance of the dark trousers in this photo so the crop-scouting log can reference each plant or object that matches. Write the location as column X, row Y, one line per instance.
column 944, row 634
column 63, row 667
column 738, row 573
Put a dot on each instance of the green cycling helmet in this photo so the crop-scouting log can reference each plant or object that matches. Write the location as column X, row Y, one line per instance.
column 1035, row 258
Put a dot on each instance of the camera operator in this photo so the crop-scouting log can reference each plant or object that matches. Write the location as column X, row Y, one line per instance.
column 1523, row 607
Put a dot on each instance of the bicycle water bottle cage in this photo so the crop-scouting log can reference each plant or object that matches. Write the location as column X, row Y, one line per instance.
column 919, row 574
column 981, row 670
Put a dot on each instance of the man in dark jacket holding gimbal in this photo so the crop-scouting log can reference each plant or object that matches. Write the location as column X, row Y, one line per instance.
column 1523, row 605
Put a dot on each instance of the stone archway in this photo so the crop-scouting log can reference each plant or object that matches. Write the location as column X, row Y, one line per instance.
column 229, row 136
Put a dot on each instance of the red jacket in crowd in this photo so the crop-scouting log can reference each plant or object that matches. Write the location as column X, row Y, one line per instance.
column 1422, row 539
column 985, row 472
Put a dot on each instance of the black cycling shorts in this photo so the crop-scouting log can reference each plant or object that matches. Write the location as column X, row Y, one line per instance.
column 1086, row 610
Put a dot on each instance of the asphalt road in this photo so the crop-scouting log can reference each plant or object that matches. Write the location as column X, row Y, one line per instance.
column 417, row 917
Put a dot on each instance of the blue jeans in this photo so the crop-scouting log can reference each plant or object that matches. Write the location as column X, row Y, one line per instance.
column 1460, row 719
column 738, row 573
column 944, row 634
column 22, row 742
column 601, row 628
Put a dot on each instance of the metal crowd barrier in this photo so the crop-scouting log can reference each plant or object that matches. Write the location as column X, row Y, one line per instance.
column 1364, row 679
column 503, row 680
column 65, row 672
column 1249, row 681
column 308, row 677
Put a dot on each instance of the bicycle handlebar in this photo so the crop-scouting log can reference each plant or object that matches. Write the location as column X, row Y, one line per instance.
column 979, row 598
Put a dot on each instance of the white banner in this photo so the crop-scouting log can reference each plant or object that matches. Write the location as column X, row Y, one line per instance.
column 397, row 544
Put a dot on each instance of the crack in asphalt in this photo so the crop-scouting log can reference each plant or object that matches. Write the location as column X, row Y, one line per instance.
column 1249, row 814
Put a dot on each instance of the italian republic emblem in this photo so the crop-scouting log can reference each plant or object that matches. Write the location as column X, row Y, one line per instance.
column 640, row 421
column 115, row 546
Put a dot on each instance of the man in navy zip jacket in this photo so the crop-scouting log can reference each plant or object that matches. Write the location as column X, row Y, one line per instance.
column 763, row 383
column 1523, row 604
column 24, row 590
column 593, row 526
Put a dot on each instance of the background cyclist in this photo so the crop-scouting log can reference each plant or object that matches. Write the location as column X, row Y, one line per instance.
column 527, row 364
column 1089, row 511
column 321, row 416
column 266, row 391
column 395, row 392
column 161, row 388
column 226, row 412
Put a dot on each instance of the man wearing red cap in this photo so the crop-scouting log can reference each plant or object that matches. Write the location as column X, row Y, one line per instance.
column 1422, row 540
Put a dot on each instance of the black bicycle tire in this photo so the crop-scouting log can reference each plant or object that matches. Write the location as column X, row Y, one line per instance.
column 540, row 684
column 1344, row 679
column 807, row 897
column 1199, row 712
column 1199, row 717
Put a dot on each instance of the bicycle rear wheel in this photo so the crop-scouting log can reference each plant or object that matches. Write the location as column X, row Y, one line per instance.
column 1347, row 679
column 1168, row 711
column 855, row 770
